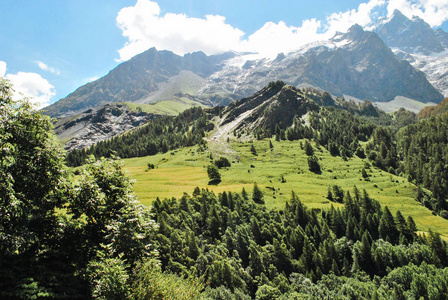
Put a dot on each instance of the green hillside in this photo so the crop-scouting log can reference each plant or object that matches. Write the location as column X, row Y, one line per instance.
column 167, row 107
column 180, row 171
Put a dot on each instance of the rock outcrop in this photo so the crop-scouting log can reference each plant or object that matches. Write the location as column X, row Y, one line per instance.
column 94, row 125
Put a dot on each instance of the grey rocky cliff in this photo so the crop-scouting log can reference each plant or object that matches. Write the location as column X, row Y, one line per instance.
column 95, row 125
column 357, row 63
column 423, row 47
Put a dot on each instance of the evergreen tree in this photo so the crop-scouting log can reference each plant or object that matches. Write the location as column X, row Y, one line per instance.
column 213, row 174
column 257, row 195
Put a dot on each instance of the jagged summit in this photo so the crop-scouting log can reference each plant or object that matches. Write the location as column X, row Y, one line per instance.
column 410, row 35
column 415, row 41
column 357, row 63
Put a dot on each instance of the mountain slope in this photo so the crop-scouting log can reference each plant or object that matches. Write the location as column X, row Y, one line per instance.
column 275, row 105
column 357, row 63
column 94, row 125
column 149, row 77
column 415, row 41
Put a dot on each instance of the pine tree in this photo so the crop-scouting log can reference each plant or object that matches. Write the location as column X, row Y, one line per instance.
column 257, row 195
column 213, row 174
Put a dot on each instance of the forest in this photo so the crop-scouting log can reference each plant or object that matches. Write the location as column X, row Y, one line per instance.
column 86, row 236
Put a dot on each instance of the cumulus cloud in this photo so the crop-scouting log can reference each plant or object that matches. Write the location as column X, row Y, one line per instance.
column 32, row 85
column 274, row 38
column 44, row 67
column 2, row 68
column 344, row 20
column 433, row 12
column 145, row 27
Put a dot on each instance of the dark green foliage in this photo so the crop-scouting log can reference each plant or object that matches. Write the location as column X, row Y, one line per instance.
column 276, row 85
column 158, row 135
column 313, row 164
column 222, row 162
column 339, row 131
column 253, row 150
column 245, row 249
column 364, row 173
column 424, row 148
column 213, row 175
column 308, row 148
column 257, row 195
column 59, row 237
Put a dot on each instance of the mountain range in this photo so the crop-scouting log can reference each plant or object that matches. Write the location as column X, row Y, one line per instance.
column 400, row 57
column 415, row 41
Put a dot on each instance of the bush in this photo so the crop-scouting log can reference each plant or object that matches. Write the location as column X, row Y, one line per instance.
column 222, row 162
column 151, row 283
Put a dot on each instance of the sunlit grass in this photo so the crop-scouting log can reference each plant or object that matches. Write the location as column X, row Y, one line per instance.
column 278, row 172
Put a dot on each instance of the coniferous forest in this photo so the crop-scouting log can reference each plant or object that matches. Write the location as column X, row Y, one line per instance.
column 67, row 236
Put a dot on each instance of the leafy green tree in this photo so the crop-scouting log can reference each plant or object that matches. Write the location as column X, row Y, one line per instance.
column 51, row 226
column 109, row 279
column 32, row 175
column 267, row 292
column 151, row 283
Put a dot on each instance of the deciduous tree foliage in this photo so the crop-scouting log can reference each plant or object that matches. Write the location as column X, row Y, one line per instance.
column 62, row 237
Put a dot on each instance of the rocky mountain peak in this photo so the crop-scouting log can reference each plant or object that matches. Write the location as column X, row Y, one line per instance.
column 355, row 32
column 410, row 35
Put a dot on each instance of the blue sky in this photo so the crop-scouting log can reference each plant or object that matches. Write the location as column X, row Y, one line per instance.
column 51, row 47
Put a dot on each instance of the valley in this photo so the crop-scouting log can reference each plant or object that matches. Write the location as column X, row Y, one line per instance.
column 233, row 171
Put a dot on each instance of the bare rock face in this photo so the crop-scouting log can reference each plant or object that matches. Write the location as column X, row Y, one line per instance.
column 424, row 48
column 356, row 63
column 94, row 125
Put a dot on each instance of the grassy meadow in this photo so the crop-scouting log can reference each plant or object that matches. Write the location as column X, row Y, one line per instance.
column 167, row 107
column 278, row 172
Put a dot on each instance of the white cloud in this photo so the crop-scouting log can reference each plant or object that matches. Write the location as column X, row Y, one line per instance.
column 2, row 68
column 344, row 20
column 144, row 27
column 433, row 12
column 274, row 38
column 32, row 85
column 44, row 67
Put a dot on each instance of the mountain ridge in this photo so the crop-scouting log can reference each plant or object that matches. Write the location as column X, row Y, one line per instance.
column 356, row 63
column 415, row 41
